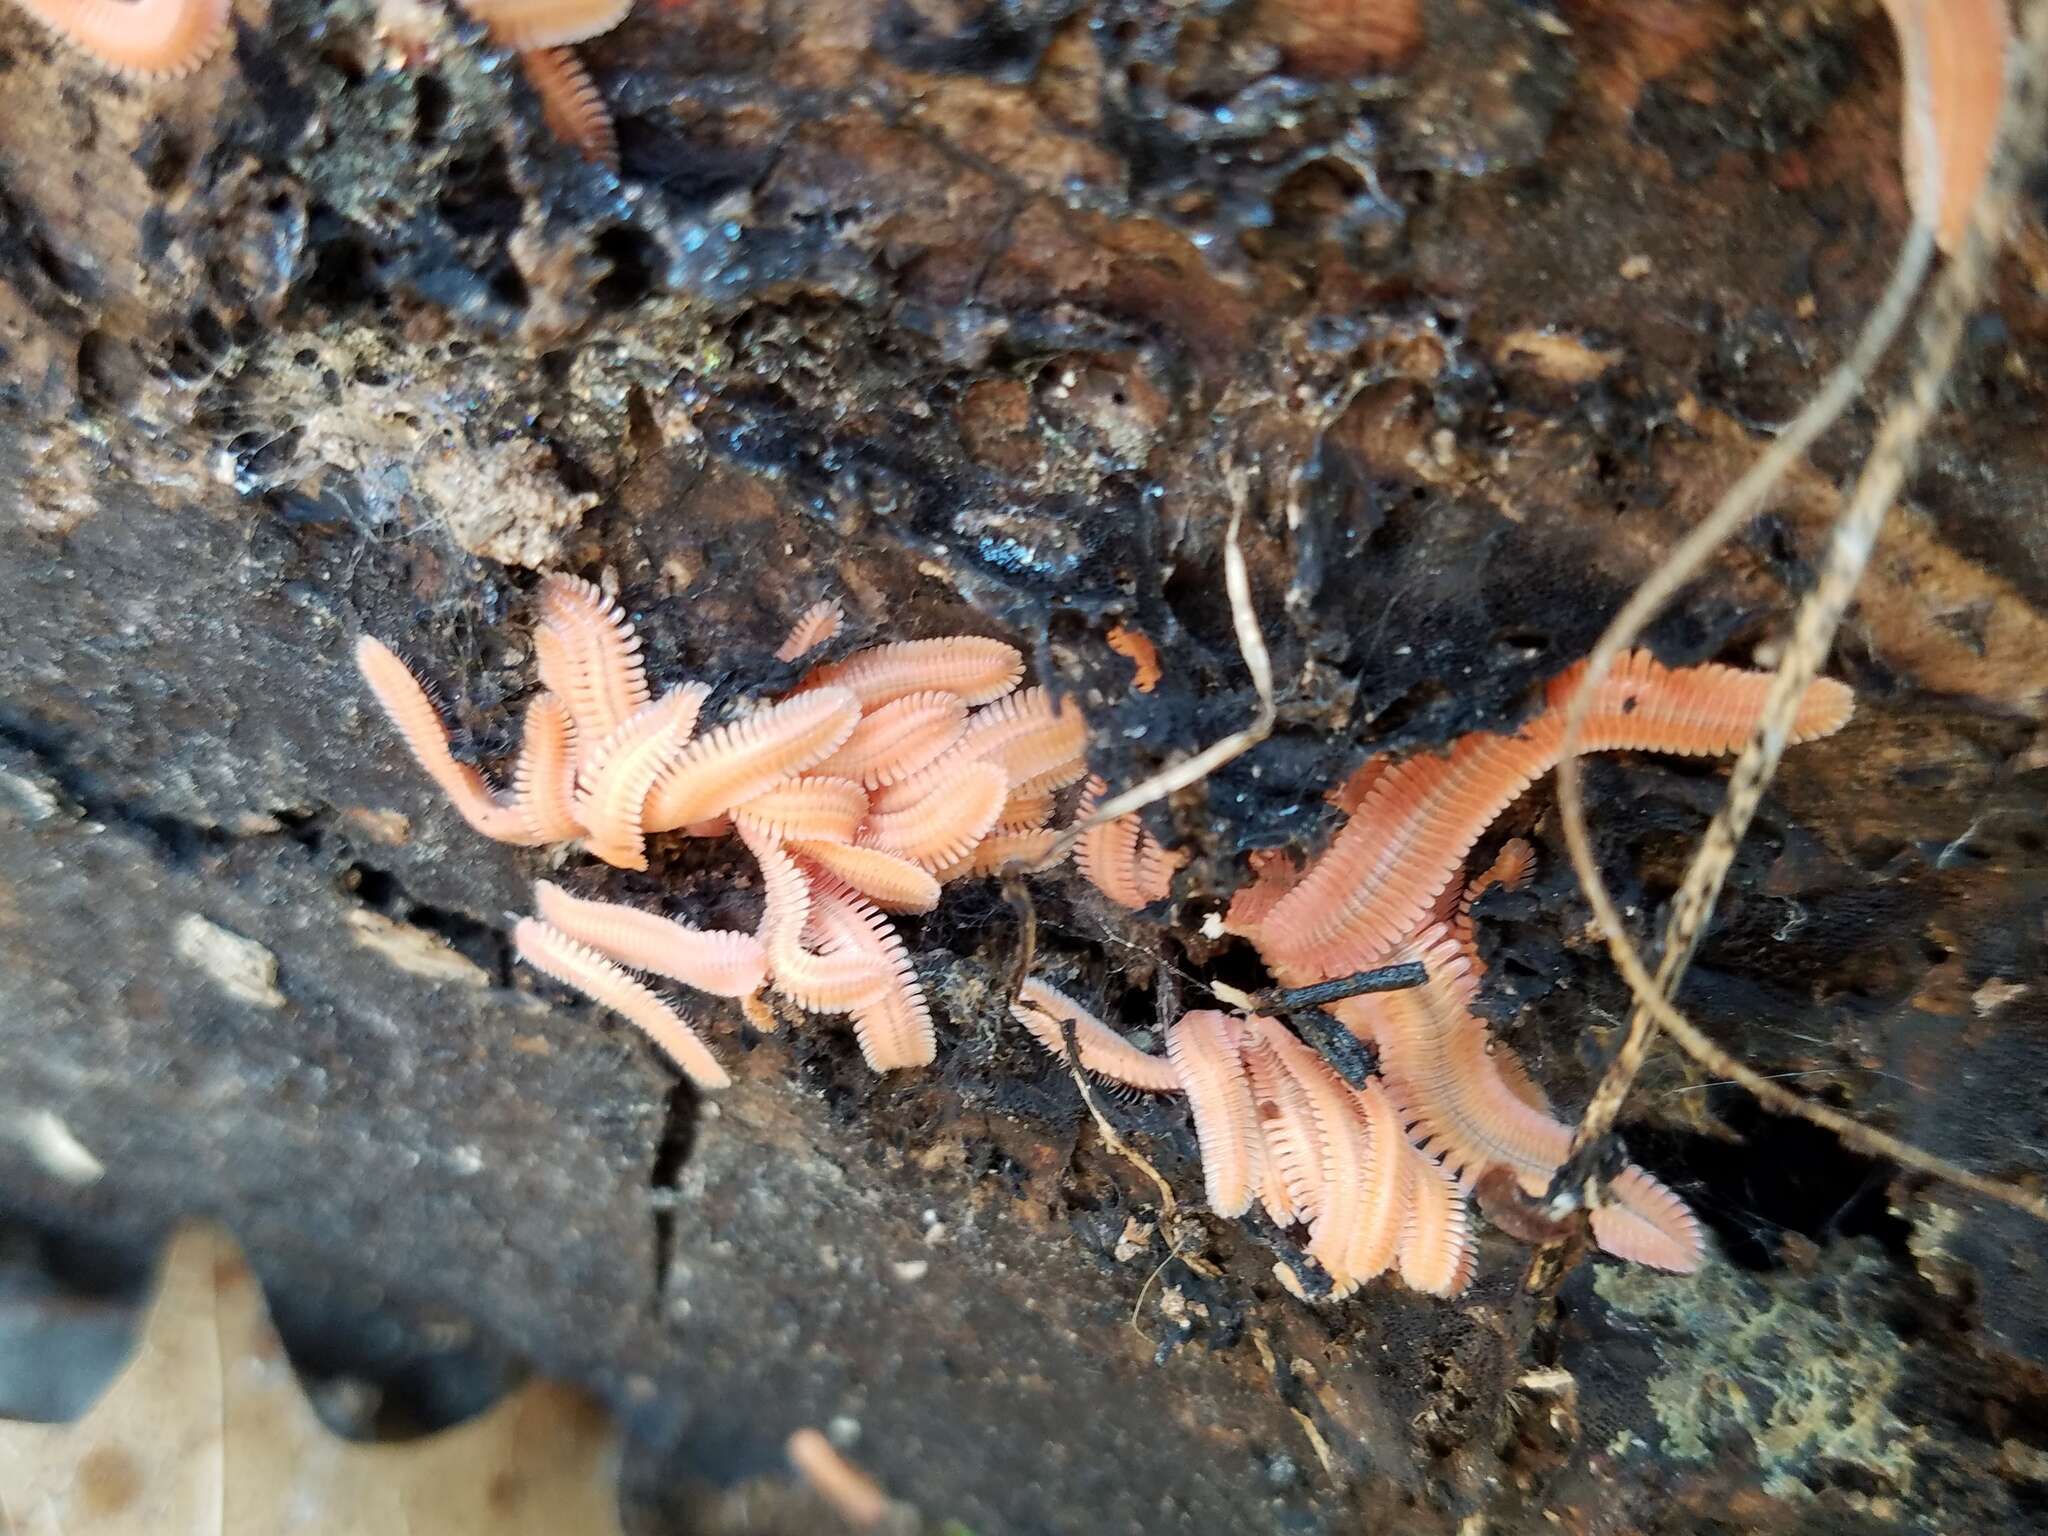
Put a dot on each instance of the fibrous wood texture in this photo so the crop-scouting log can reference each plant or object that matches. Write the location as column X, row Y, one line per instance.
column 963, row 316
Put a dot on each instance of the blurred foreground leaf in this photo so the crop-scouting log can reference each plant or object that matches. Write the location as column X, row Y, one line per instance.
column 206, row 1433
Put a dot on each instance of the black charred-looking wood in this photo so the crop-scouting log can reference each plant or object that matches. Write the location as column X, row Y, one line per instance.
column 1385, row 978
column 1354, row 1059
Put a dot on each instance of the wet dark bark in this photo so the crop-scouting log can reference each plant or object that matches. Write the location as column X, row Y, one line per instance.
column 961, row 311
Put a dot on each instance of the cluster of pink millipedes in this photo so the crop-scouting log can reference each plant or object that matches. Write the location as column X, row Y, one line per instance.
column 885, row 774
column 860, row 793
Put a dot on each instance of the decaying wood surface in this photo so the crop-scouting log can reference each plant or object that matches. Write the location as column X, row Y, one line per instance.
column 965, row 315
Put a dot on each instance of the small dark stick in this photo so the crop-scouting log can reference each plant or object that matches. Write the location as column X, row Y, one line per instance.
column 1354, row 1059
column 1018, row 896
column 1387, row 978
